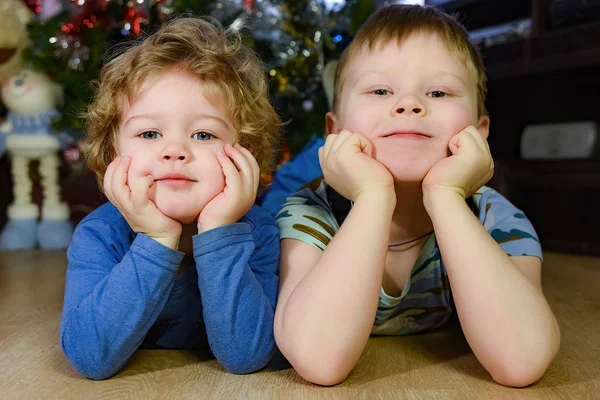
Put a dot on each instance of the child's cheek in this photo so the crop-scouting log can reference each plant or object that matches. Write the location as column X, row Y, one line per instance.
column 456, row 119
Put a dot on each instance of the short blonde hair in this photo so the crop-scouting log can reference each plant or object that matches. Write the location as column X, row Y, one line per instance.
column 399, row 21
column 205, row 50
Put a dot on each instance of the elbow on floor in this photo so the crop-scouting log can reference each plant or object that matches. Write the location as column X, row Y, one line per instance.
column 324, row 371
column 519, row 375
column 95, row 373
column 526, row 369
column 93, row 369
column 246, row 363
column 241, row 368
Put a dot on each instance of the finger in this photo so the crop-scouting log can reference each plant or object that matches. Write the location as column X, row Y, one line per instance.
column 320, row 153
column 243, row 166
column 364, row 145
column 344, row 143
column 478, row 138
column 484, row 154
column 253, row 164
column 463, row 142
column 238, row 159
column 481, row 147
column 139, row 191
column 247, row 153
column 453, row 144
column 119, row 185
column 232, row 175
column 108, row 178
column 327, row 146
column 486, row 145
column 334, row 141
column 340, row 140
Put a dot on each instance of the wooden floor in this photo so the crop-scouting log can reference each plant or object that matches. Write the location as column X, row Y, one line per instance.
column 432, row 366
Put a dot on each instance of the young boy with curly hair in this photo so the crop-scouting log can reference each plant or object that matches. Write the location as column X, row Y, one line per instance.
column 177, row 134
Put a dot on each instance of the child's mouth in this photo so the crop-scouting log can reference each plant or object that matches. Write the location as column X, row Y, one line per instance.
column 406, row 135
column 176, row 180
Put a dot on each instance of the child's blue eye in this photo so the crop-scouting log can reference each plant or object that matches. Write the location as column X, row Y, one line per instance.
column 437, row 94
column 202, row 136
column 150, row 135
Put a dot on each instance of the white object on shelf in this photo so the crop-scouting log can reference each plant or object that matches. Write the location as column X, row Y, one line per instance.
column 573, row 140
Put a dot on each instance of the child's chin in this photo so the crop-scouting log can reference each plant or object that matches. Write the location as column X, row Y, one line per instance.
column 179, row 213
column 407, row 175
column 409, row 172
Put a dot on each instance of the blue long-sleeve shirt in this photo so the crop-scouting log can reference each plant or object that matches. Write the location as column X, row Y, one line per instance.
column 122, row 292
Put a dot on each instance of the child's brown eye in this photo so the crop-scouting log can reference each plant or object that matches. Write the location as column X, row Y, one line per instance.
column 202, row 136
column 381, row 92
column 437, row 94
column 150, row 135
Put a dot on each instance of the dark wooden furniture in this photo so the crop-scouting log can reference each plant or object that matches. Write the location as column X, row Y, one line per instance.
column 561, row 199
column 544, row 51
column 552, row 76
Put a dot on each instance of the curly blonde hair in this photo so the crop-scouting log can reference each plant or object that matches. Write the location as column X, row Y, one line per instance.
column 396, row 23
column 205, row 50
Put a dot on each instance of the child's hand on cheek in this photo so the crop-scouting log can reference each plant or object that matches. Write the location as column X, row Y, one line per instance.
column 131, row 199
column 468, row 168
column 241, row 173
column 349, row 167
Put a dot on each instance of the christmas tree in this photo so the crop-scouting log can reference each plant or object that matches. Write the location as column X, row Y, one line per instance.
column 294, row 38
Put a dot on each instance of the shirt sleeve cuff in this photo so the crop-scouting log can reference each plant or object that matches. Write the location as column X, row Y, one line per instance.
column 223, row 236
column 156, row 252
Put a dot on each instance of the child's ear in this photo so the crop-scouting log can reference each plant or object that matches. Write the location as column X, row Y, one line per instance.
column 484, row 126
column 331, row 124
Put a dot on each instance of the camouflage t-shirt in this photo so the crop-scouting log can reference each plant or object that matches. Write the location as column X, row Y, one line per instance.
column 426, row 301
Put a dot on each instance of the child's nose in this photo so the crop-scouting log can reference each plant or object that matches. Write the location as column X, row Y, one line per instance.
column 409, row 104
column 174, row 157
column 416, row 110
column 175, row 153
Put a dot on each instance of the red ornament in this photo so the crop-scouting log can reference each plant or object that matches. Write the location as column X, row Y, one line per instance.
column 248, row 4
column 34, row 5
column 73, row 153
column 93, row 13
column 135, row 17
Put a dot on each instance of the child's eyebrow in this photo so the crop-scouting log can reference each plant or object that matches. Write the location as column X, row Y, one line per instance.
column 451, row 75
column 367, row 74
column 154, row 116
column 436, row 74
column 137, row 117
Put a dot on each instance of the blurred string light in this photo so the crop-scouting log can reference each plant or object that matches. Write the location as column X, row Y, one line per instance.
column 334, row 5
column 387, row 3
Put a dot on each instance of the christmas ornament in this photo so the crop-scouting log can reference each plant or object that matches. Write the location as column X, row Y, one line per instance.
column 33, row 5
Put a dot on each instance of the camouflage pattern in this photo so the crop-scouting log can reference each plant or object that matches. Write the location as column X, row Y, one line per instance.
column 426, row 300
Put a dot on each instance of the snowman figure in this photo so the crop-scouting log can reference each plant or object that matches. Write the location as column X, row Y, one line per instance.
column 31, row 99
